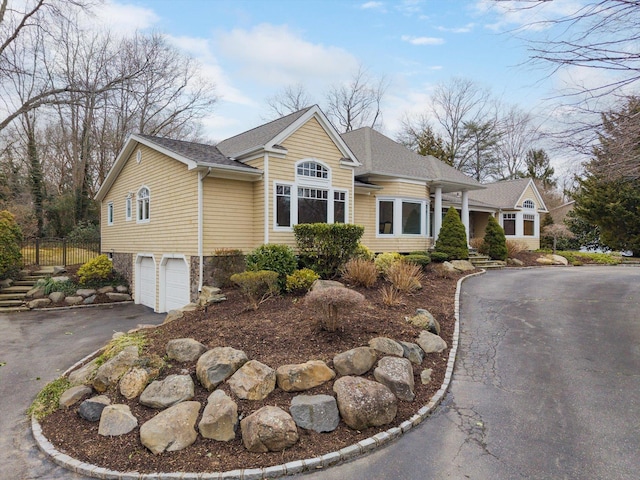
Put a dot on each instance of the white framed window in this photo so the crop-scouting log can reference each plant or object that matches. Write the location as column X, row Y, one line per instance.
column 283, row 205
column 528, row 204
column 312, row 169
column 401, row 217
column 313, row 205
column 529, row 225
column 509, row 223
column 339, row 206
column 128, row 208
column 143, row 205
column 110, row 213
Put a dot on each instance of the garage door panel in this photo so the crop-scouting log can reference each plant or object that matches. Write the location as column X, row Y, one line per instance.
column 147, row 282
column 176, row 275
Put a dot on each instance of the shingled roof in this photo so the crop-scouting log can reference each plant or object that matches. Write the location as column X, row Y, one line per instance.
column 503, row 194
column 380, row 155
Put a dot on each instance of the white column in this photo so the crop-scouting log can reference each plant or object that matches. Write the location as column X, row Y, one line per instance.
column 437, row 214
column 465, row 212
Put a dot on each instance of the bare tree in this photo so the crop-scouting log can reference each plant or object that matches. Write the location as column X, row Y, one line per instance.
column 356, row 103
column 288, row 100
column 517, row 135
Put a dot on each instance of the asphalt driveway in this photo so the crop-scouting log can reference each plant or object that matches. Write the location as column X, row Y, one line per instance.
column 547, row 383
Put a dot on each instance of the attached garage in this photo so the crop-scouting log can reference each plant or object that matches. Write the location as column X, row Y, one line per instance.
column 146, row 281
column 175, row 283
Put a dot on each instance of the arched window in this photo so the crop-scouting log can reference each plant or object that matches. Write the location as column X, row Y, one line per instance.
column 528, row 204
column 313, row 170
column 143, row 200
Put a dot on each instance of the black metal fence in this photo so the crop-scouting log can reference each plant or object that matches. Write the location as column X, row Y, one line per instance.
column 57, row 251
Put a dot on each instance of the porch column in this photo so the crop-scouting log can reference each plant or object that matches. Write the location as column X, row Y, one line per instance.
column 437, row 213
column 465, row 212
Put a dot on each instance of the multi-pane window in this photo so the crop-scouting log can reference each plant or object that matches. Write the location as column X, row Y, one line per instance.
column 128, row 208
column 411, row 218
column 385, row 217
column 143, row 201
column 529, row 222
column 110, row 213
column 509, row 223
column 313, row 170
column 339, row 207
column 401, row 217
column 312, row 205
column 528, row 204
column 283, row 205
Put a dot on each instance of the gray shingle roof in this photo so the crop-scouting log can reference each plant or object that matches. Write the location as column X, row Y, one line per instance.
column 200, row 153
column 504, row 194
column 380, row 155
column 259, row 136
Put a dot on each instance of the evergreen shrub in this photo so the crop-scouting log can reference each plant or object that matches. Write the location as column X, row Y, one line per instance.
column 301, row 280
column 439, row 257
column 10, row 239
column 495, row 243
column 384, row 260
column 97, row 269
column 452, row 238
column 275, row 258
column 225, row 262
column 421, row 259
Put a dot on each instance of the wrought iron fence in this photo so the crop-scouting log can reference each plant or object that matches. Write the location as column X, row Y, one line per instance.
column 57, row 251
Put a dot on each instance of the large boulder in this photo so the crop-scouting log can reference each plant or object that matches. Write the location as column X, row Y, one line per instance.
column 85, row 292
column 57, row 297
column 356, row 361
column 253, row 381
column 218, row 364
column 431, row 343
column 323, row 284
column 363, row 403
column 220, row 418
column 110, row 371
column 91, row 409
column 39, row 303
column 386, row 346
column 185, row 349
column 424, row 319
column 315, row 412
column 172, row 429
column 462, row 265
column 133, row 382
column 170, row 391
column 73, row 395
column 85, row 373
column 269, row 429
column 35, row 292
column 397, row 374
column 303, row 376
column 412, row 352
column 116, row 420
column 74, row 300
column 173, row 315
column 118, row 297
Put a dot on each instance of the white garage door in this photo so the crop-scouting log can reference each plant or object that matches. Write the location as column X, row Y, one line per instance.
column 147, row 284
column 176, row 275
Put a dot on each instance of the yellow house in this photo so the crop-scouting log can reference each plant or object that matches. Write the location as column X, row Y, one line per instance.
column 166, row 205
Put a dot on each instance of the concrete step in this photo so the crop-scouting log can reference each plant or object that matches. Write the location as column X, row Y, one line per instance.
column 24, row 283
column 11, row 296
column 14, row 309
column 44, row 272
column 10, row 303
column 17, row 289
column 31, row 278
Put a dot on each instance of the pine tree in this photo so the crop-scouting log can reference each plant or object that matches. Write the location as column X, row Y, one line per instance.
column 494, row 243
column 452, row 238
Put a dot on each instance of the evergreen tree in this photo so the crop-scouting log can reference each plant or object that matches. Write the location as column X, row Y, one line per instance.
column 452, row 238
column 494, row 243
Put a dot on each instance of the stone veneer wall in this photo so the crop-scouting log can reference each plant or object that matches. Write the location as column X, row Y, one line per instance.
column 195, row 275
column 123, row 264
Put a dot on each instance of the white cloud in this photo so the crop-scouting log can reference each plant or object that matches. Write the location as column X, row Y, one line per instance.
column 372, row 6
column 125, row 18
column 516, row 14
column 276, row 55
column 465, row 29
column 422, row 40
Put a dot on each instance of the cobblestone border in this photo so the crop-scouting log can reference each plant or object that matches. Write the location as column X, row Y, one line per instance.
column 276, row 471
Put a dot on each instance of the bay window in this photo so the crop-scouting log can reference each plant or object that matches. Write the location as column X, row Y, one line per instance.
column 401, row 217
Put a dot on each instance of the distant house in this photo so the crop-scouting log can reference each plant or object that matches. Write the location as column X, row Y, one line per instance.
column 167, row 205
column 559, row 213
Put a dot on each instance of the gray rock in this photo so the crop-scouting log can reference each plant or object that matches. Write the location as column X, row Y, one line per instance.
column 170, row 391
column 89, row 300
column 57, row 270
column 110, row 372
column 253, row 381
column 322, row 284
column 220, row 418
column 269, row 429
column 74, row 300
column 515, row 261
column 122, row 289
column 303, row 376
column 35, row 292
column 6, row 283
column 85, row 292
column 56, row 297
column 397, row 374
column 107, row 289
column 424, row 319
column 431, row 343
column 315, row 412
column 119, row 297
column 218, row 364
column 39, row 303
column 185, row 349
column 172, row 429
column 462, row 265
column 386, row 346
column 448, row 267
column 84, row 374
column 91, row 409
column 73, row 395
column 425, row 375
column 356, row 361
column 60, row 278
column 413, row 352
column 133, row 382
column 116, row 420
column 173, row 315
column 363, row 403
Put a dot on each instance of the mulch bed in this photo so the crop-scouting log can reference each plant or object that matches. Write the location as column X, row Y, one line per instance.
column 282, row 331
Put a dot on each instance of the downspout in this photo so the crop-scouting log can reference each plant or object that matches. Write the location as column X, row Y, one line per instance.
column 200, row 225
column 266, row 197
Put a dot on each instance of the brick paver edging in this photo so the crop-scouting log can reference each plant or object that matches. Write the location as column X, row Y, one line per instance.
column 291, row 468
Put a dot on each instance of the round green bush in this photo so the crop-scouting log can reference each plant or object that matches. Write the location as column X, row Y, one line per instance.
column 301, row 280
column 494, row 243
column 439, row 257
column 421, row 259
column 95, row 270
column 276, row 258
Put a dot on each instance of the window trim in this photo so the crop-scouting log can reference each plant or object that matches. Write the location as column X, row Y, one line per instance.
column 110, row 213
column 396, row 227
column 128, row 208
column 529, row 204
column 139, row 200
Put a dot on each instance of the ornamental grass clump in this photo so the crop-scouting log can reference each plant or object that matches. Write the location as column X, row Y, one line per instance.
column 405, row 276
column 258, row 286
column 390, row 295
column 361, row 272
column 332, row 302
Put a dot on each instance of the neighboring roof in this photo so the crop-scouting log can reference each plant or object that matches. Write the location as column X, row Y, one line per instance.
column 507, row 194
column 559, row 213
column 380, row 155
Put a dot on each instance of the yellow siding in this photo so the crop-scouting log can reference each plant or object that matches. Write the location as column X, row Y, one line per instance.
column 529, row 194
column 532, row 243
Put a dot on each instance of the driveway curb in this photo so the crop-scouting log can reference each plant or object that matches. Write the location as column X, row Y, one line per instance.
column 291, row 468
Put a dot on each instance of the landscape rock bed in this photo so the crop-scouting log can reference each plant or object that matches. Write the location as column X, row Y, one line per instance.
column 282, row 332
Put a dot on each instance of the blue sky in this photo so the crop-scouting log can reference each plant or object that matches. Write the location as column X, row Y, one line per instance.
column 252, row 49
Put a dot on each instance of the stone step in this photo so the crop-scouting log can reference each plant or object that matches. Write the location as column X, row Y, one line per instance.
column 24, row 283
column 14, row 309
column 45, row 272
column 33, row 278
column 10, row 303
column 17, row 289
column 12, row 296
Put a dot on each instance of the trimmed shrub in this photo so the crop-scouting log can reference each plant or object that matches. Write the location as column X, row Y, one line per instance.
column 10, row 239
column 364, row 252
column 326, row 247
column 226, row 262
column 406, row 277
column 331, row 302
column 421, row 259
column 273, row 257
column 439, row 257
column 495, row 243
column 95, row 270
column 452, row 238
column 384, row 260
column 359, row 271
column 301, row 280
column 257, row 286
